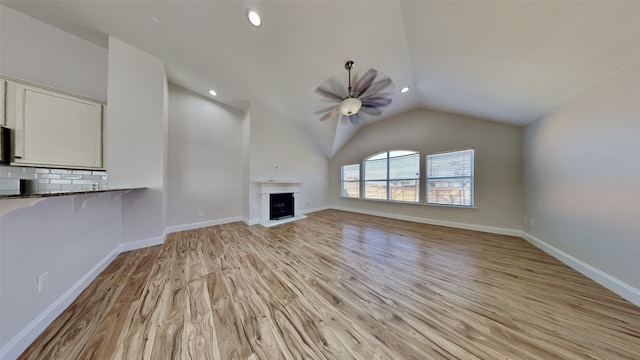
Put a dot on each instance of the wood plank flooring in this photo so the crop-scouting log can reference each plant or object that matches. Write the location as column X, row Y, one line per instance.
column 340, row 285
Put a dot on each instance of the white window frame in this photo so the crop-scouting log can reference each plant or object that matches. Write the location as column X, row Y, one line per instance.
column 359, row 182
column 470, row 177
column 388, row 180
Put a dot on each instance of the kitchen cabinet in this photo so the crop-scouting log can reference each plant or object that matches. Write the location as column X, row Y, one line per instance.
column 53, row 128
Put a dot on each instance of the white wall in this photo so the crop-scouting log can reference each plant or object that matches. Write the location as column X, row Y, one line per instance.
column 246, row 166
column 38, row 52
column 282, row 150
column 498, row 170
column 55, row 237
column 582, row 177
column 135, row 133
column 205, row 159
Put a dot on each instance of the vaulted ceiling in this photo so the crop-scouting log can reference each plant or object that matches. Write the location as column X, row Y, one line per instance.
column 511, row 62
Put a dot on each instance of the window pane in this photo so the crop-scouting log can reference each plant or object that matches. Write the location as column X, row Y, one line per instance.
column 395, row 153
column 451, row 164
column 382, row 155
column 351, row 172
column 404, row 190
column 454, row 191
column 351, row 181
column 375, row 190
column 351, row 189
column 375, row 169
column 405, row 167
column 450, row 178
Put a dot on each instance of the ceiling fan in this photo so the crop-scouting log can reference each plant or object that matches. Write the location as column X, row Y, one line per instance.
column 368, row 96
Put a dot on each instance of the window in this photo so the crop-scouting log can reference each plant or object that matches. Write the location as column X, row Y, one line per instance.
column 393, row 175
column 450, row 178
column 351, row 181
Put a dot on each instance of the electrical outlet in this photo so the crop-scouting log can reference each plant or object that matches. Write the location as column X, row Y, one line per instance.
column 531, row 222
column 200, row 213
column 42, row 282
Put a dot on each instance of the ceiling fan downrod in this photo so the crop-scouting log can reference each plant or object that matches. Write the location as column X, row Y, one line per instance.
column 350, row 105
column 349, row 65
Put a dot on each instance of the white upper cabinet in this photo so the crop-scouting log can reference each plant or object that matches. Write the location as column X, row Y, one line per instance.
column 53, row 128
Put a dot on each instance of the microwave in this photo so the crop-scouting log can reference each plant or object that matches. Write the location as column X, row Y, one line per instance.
column 5, row 145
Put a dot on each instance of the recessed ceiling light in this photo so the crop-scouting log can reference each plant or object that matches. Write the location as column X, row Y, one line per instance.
column 254, row 18
column 213, row 92
column 404, row 89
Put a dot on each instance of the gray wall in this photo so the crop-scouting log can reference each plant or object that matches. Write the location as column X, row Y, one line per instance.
column 582, row 177
column 136, row 128
column 205, row 159
column 281, row 150
column 498, row 169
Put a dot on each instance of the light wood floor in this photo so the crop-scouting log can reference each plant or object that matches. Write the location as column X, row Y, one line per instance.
column 340, row 285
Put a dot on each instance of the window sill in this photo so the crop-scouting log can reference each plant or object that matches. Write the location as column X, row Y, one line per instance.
column 451, row 206
column 349, row 198
column 392, row 201
column 410, row 203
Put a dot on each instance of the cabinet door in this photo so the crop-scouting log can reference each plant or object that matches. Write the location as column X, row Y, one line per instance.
column 56, row 129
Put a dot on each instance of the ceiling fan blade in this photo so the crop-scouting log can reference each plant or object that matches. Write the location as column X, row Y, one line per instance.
column 333, row 90
column 355, row 118
column 363, row 84
column 376, row 102
column 329, row 115
column 328, row 94
column 373, row 111
column 380, row 86
column 324, row 109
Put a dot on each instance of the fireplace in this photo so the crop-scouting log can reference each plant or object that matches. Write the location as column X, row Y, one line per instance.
column 283, row 194
column 280, row 206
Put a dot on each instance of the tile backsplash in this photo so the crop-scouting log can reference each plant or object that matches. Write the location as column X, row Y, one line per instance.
column 52, row 179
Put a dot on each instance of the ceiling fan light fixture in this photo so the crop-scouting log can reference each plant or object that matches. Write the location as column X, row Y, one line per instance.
column 350, row 106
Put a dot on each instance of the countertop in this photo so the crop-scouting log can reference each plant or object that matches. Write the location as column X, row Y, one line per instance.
column 15, row 194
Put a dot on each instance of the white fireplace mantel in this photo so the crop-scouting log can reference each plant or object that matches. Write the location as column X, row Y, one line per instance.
column 279, row 187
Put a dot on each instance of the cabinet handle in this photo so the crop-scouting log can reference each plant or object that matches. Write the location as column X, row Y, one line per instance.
column 17, row 157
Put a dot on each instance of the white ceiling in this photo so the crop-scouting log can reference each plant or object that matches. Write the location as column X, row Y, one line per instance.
column 510, row 62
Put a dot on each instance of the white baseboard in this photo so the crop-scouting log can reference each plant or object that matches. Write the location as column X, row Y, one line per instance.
column 254, row 221
column 141, row 244
column 452, row 224
column 308, row 211
column 617, row 286
column 24, row 338
column 198, row 225
column 257, row 220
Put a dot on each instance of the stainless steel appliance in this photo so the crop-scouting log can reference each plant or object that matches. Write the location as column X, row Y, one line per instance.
column 5, row 145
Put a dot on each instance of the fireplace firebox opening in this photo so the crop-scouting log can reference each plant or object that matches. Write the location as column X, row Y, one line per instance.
column 280, row 206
